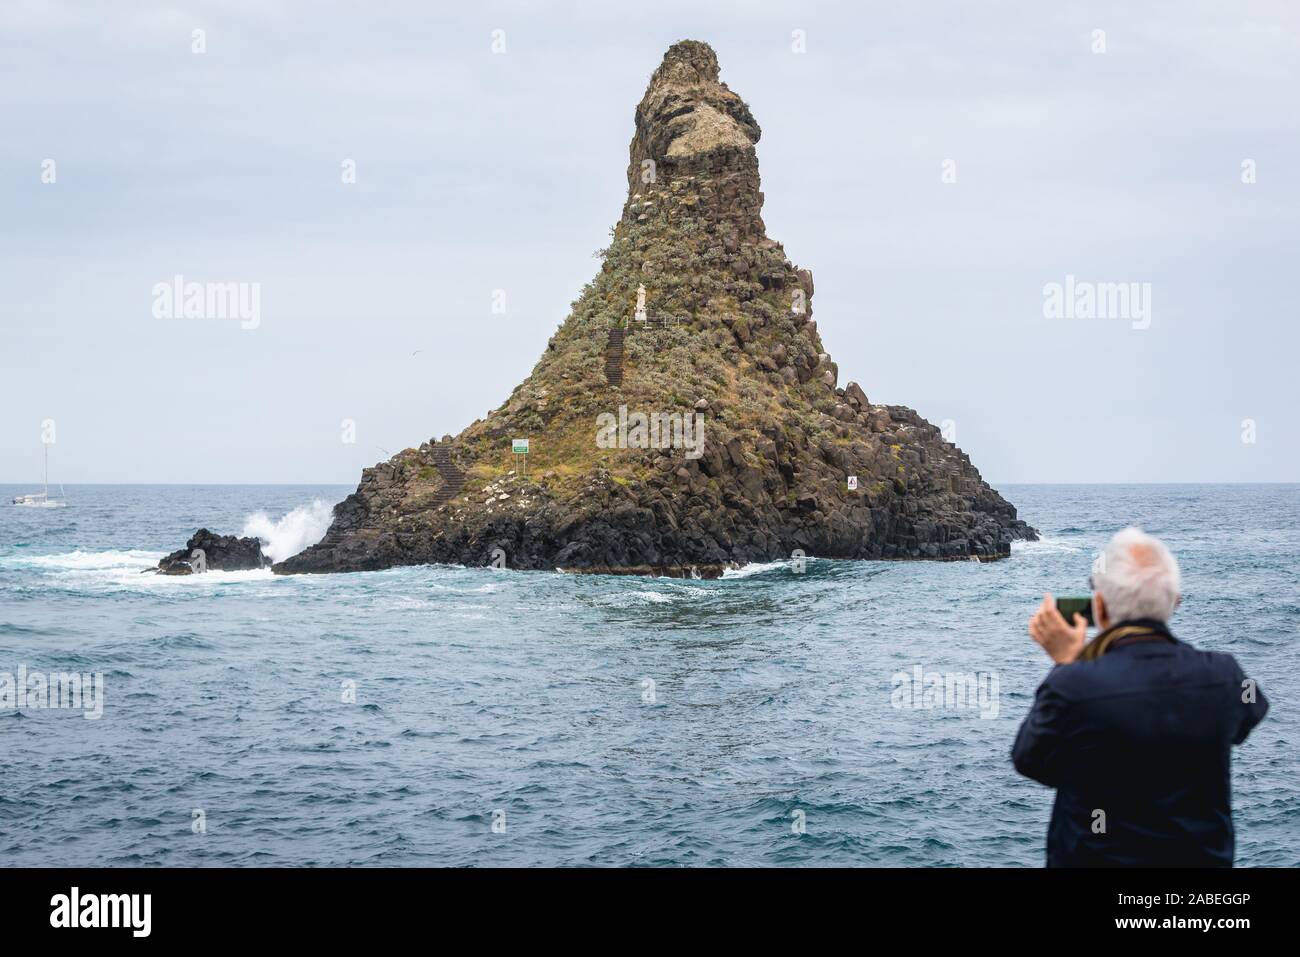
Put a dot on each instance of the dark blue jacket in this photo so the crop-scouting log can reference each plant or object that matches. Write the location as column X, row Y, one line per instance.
column 1142, row 735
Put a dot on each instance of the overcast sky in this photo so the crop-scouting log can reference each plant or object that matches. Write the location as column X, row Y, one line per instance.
column 478, row 171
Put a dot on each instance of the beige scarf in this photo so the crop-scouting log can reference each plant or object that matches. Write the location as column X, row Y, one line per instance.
column 1106, row 640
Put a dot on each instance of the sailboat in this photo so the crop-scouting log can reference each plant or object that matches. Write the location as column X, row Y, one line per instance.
column 41, row 499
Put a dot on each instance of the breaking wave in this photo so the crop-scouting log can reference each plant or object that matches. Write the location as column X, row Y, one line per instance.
column 282, row 538
column 133, row 560
column 760, row 568
column 1047, row 546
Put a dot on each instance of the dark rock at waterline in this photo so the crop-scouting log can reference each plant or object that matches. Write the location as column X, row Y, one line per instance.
column 789, row 462
column 226, row 553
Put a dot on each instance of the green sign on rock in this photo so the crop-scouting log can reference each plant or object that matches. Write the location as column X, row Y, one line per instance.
column 519, row 446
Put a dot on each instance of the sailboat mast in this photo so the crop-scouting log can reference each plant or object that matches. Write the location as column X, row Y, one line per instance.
column 47, row 471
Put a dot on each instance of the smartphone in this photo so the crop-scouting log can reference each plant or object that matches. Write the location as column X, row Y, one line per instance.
column 1069, row 607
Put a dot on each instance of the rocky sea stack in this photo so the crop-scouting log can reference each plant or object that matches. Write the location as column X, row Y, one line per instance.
column 208, row 551
column 685, row 416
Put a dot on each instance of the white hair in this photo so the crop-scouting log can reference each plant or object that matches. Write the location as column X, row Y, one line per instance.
column 1137, row 576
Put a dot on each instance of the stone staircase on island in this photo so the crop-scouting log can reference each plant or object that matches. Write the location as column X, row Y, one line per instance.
column 614, row 356
column 453, row 479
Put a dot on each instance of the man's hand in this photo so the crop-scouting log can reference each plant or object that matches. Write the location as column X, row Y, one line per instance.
column 1061, row 641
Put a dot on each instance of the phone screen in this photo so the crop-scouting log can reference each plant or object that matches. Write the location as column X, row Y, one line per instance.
column 1069, row 607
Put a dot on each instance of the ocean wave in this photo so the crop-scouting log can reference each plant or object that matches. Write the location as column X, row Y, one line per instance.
column 408, row 603
column 285, row 537
column 762, row 568
column 212, row 576
column 1047, row 546
column 125, row 568
column 88, row 561
column 646, row 596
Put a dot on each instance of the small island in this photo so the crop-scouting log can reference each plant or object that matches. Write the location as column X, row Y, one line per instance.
column 686, row 416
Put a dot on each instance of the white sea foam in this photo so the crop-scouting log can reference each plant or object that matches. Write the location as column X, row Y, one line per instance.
column 212, row 576
column 122, row 568
column 88, row 561
column 759, row 568
column 1045, row 546
column 671, row 595
column 282, row 538
column 652, row 597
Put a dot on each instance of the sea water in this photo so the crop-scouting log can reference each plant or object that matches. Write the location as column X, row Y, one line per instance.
column 474, row 716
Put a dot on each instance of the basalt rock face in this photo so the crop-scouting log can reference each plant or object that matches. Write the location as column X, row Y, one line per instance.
column 704, row 429
column 226, row 553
